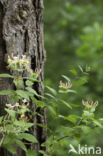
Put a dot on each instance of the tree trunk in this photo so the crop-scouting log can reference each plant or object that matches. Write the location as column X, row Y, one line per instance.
column 21, row 33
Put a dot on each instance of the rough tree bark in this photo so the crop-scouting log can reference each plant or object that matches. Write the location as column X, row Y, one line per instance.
column 21, row 33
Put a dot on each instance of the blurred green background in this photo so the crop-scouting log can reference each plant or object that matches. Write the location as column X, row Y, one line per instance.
column 74, row 42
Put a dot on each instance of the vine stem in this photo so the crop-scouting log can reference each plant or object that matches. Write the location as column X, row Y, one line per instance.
column 2, row 140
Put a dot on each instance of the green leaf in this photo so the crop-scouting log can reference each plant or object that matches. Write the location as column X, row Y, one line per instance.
column 88, row 114
column 9, row 139
column 53, row 91
column 21, row 145
column 38, row 102
column 11, row 148
column 41, row 125
column 101, row 120
column 66, row 78
column 18, row 82
column 10, row 127
column 73, row 71
column 71, row 91
column 66, row 103
column 52, row 110
column 97, row 123
column 32, row 91
column 1, row 119
column 88, row 68
column 6, row 92
column 23, row 94
column 81, row 69
column 29, row 83
column 31, row 153
column 11, row 112
column 85, row 129
column 6, row 76
column 71, row 118
column 81, row 81
column 53, row 97
column 67, row 91
column 23, row 125
column 28, row 137
column 42, row 152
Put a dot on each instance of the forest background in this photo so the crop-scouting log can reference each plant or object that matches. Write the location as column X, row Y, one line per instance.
column 74, row 45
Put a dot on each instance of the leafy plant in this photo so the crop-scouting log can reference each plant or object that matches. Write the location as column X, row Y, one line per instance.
column 70, row 128
column 15, row 125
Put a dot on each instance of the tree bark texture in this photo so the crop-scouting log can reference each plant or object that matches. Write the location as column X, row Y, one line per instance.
column 21, row 33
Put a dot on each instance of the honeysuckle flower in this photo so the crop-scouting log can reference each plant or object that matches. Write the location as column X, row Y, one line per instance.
column 12, row 106
column 24, row 101
column 17, row 104
column 89, row 103
column 18, row 62
column 65, row 85
column 9, row 106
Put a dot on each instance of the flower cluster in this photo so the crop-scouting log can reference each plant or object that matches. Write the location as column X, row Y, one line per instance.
column 10, row 106
column 18, row 62
column 65, row 85
column 22, row 63
column 89, row 103
column 21, row 109
column 36, row 72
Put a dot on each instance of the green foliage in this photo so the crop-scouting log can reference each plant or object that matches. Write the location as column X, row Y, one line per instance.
column 74, row 47
column 70, row 125
column 31, row 153
column 15, row 125
column 74, row 42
